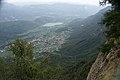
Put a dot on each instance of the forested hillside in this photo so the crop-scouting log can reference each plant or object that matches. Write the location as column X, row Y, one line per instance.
column 10, row 30
column 52, row 41
column 83, row 45
column 109, row 55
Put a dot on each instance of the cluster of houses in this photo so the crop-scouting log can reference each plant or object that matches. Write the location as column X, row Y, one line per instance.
column 49, row 43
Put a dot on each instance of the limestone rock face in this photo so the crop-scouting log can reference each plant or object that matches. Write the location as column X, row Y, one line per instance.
column 106, row 67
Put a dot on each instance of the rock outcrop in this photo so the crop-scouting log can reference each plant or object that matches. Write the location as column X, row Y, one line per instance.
column 106, row 67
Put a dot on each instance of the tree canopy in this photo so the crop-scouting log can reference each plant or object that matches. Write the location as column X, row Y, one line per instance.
column 115, row 3
column 112, row 22
column 24, row 66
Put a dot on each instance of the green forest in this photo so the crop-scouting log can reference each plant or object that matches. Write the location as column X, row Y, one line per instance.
column 71, row 60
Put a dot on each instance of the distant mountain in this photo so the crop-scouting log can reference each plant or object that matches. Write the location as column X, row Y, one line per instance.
column 30, row 12
column 10, row 12
column 11, row 30
column 63, row 9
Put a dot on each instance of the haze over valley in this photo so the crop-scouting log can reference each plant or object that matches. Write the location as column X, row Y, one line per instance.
column 55, row 40
column 46, row 25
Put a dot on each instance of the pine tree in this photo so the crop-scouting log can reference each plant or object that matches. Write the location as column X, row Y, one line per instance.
column 112, row 22
column 23, row 68
column 115, row 3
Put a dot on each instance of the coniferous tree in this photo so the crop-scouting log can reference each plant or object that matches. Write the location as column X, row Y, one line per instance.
column 115, row 3
column 26, row 67
column 23, row 68
column 112, row 23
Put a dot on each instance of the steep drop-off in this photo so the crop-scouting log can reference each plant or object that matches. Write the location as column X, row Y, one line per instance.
column 82, row 47
column 106, row 67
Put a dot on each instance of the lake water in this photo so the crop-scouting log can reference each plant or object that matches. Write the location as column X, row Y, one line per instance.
column 53, row 24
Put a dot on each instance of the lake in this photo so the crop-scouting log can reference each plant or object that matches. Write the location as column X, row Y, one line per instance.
column 53, row 24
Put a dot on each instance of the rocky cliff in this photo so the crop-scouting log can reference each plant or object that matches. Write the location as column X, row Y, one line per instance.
column 106, row 66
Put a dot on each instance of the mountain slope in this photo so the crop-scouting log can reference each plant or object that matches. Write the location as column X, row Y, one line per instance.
column 10, row 30
column 106, row 67
column 30, row 12
column 11, row 12
column 81, row 49
column 86, row 38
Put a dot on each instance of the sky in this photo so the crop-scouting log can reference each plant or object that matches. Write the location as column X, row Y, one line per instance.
column 23, row 2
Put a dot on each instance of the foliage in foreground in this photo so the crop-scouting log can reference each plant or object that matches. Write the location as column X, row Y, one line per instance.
column 112, row 22
column 25, row 67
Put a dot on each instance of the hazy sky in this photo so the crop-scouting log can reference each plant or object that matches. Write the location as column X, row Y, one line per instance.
column 90, row 2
